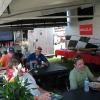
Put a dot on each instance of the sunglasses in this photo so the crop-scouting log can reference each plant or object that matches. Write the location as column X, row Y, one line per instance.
column 77, row 58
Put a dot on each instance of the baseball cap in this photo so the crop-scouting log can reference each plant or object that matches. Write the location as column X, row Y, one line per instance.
column 11, row 50
column 39, row 48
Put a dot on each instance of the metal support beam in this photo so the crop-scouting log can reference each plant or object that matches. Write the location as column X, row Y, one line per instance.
column 3, row 5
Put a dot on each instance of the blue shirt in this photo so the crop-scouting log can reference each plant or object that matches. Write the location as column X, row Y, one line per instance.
column 39, row 58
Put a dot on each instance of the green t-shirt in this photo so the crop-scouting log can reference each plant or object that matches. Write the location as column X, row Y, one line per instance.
column 77, row 77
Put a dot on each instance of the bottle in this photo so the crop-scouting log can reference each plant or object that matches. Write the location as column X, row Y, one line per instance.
column 42, row 64
column 35, row 66
column 31, row 65
column 86, row 85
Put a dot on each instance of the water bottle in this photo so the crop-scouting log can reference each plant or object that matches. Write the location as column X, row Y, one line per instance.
column 42, row 64
column 31, row 65
column 35, row 66
column 86, row 85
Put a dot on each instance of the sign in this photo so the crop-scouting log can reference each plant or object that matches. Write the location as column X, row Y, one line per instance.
column 6, row 36
column 86, row 29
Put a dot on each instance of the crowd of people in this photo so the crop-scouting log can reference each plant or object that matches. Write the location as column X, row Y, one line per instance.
column 17, row 68
column 36, row 58
column 15, row 62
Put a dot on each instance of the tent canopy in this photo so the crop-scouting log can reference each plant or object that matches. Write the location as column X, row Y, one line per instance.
column 38, row 13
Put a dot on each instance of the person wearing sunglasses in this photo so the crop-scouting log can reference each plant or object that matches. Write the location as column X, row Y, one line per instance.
column 37, row 58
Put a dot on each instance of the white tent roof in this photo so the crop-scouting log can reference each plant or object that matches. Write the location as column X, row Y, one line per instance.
column 3, row 5
column 30, row 9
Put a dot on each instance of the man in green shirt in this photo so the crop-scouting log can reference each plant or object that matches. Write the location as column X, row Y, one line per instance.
column 79, row 73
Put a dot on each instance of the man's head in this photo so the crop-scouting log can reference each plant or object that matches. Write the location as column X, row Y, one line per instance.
column 78, row 62
column 38, row 50
column 11, row 51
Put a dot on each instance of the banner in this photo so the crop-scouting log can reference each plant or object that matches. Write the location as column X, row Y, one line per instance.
column 86, row 29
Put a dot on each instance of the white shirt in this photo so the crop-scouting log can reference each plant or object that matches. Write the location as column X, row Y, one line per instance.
column 33, row 87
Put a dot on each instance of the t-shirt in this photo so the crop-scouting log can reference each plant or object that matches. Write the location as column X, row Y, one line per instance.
column 77, row 77
column 32, row 87
column 5, row 60
column 38, row 58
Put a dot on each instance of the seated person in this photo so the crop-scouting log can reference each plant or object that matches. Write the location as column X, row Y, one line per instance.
column 79, row 73
column 0, row 55
column 7, row 56
column 37, row 58
column 35, row 90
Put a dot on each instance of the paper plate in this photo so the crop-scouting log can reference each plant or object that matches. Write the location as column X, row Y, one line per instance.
column 95, row 85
